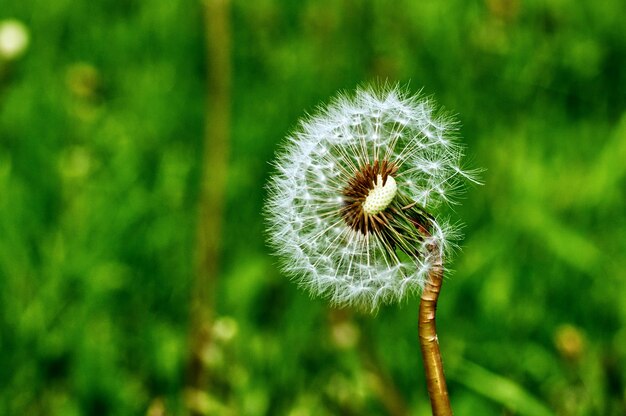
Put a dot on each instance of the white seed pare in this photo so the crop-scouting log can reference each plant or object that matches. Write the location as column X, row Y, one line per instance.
column 380, row 196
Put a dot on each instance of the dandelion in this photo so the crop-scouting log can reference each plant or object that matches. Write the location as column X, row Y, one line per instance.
column 351, row 207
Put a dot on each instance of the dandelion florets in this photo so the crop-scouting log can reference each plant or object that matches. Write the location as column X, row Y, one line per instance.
column 351, row 205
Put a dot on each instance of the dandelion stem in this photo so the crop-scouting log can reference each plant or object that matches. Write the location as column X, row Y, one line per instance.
column 435, row 379
column 211, row 196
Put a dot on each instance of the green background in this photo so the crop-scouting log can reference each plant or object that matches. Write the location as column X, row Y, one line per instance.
column 102, row 123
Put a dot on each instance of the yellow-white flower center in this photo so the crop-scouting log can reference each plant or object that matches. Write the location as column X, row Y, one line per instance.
column 380, row 196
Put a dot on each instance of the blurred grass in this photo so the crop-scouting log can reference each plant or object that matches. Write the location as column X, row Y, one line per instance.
column 101, row 126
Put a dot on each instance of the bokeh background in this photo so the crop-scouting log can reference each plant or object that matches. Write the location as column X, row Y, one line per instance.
column 115, row 115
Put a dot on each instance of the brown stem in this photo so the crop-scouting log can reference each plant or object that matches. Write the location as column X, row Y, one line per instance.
column 435, row 379
column 212, row 191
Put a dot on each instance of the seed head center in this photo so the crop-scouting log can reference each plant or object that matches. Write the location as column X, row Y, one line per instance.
column 380, row 196
column 367, row 196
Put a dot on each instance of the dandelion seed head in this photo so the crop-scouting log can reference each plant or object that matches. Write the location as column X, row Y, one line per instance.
column 351, row 203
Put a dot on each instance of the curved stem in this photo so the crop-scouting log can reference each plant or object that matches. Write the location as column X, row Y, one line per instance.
column 435, row 379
